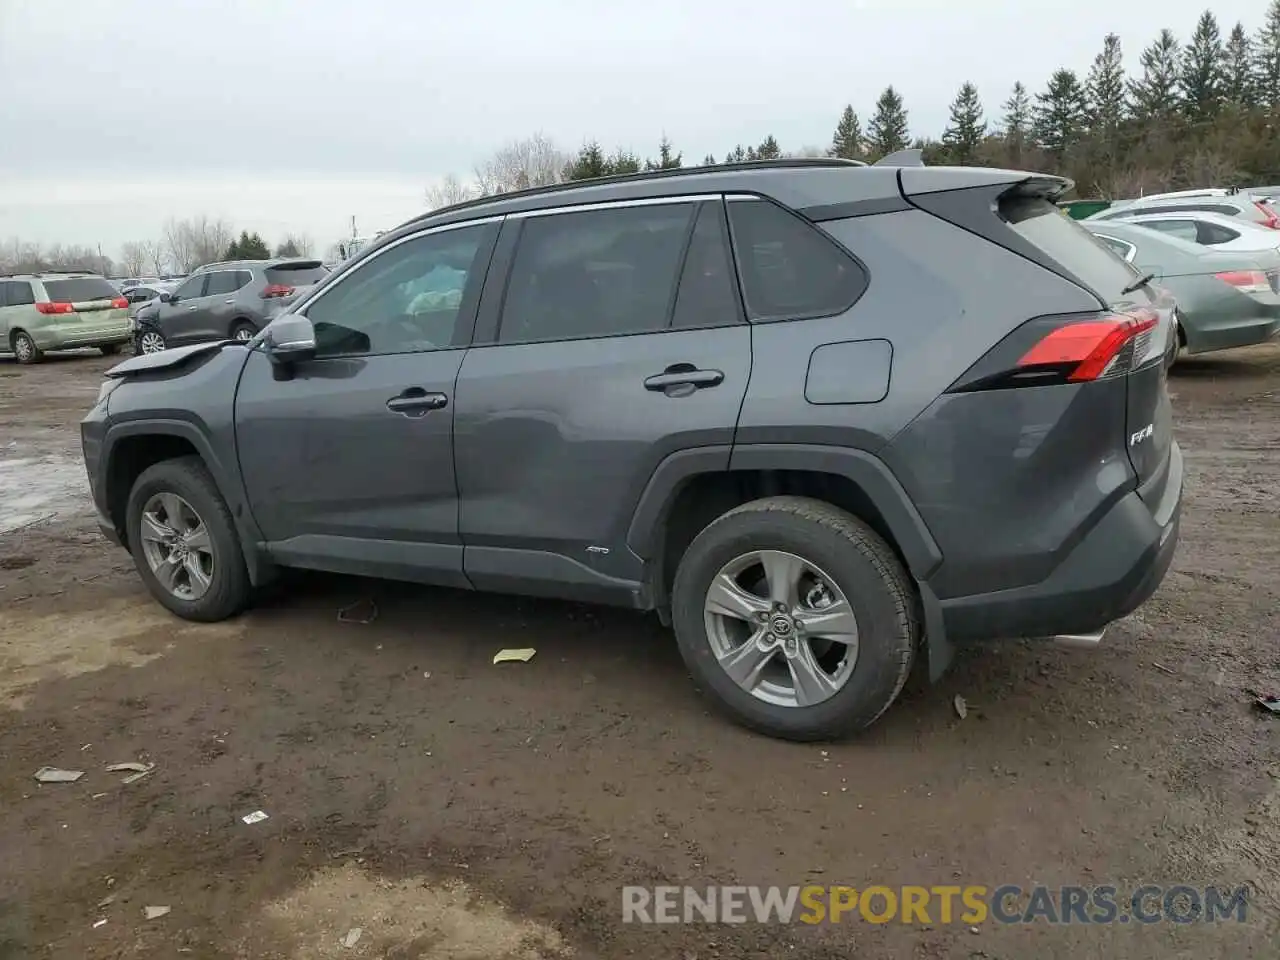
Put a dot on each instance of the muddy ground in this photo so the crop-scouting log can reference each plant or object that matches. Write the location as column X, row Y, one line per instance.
column 452, row 809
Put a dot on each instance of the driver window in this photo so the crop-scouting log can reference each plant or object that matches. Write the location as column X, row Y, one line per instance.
column 406, row 300
column 192, row 288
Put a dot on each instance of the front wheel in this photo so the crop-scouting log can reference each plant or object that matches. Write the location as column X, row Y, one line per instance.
column 243, row 332
column 796, row 618
column 184, row 542
column 25, row 349
column 150, row 341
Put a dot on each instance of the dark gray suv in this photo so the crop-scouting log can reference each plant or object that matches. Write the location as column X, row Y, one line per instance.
column 219, row 301
column 818, row 416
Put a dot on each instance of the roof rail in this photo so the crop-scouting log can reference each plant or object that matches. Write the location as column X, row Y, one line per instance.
column 782, row 163
column 913, row 157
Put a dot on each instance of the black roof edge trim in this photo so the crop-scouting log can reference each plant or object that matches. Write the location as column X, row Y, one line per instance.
column 854, row 208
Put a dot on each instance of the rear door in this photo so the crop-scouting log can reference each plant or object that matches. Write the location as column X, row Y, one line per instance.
column 620, row 340
column 222, row 310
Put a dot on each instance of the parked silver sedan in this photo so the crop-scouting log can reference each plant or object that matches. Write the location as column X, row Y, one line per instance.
column 1224, row 299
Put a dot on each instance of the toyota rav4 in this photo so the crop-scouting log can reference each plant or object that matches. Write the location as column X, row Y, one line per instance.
column 820, row 416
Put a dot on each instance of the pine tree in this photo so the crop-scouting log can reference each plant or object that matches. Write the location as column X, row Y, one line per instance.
column 1104, row 89
column 667, row 158
column 847, row 141
column 1238, row 87
column 768, row 149
column 253, row 247
column 622, row 161
column 1200, row 79
column 233, row 249
column 1267, row 64
column 1155, row 96
column 588, row 164
column 737, row 155
column 887, row 132
column 1016, row 122
column 1060, row 114
column 967, row 128
column 709, row 160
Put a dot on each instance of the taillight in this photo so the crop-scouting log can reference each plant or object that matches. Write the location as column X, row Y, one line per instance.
column 51, row 308
column 1269, row 216
column 119, row 302
column 1246, row 281
column 1067, row 349
column 273, row 290
column 1090, row 349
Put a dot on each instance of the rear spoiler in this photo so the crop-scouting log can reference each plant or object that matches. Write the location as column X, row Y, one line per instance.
column 902, row 158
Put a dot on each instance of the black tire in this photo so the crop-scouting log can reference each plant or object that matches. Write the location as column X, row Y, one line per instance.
column 24, row 348
column 241, row 327
column 110, row 349
column 864, row 568
column 230, row 590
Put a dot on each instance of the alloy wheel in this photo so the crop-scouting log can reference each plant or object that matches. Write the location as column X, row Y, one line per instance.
column 151, row 342
column 177, row 546
column 781, row 628
column 23, row 348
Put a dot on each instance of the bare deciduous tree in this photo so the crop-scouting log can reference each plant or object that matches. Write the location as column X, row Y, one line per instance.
column 449, row 191
column 535, row 161
column 133, row 257
column 196, row 241
column 153, row 253
column 295, row 245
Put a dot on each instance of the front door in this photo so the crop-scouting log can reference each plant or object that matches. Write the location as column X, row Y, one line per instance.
column 180, row 318
column 348, row 464
column 621, row 341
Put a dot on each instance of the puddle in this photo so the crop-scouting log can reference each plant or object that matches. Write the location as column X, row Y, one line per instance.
column 410, row 919
column 32, row 488
column 129, row 633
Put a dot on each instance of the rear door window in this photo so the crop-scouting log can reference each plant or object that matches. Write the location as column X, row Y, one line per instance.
column 789, row 268
column 226, row 281
column 192, row 288
column 1078, row 252
column 595, row 273
column 1182, row 229
column 708, row 294
column 20, row 294
column 79, row 290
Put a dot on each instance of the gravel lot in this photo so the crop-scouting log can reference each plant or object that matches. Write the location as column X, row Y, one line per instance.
column 453, row 809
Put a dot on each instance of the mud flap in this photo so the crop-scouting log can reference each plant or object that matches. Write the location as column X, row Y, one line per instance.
column 937, row 647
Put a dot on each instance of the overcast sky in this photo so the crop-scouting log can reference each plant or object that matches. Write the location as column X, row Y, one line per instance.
column 297, row 114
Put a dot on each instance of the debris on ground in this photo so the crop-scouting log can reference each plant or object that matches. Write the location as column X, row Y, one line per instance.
column 100, row 923
column 1268, row 703
column 352, row 937
column 962, row 708
column 1163, row 669
column 154, row 913
column 514, row 655
column 362, row 611
column 256, row 817
column 106, row 901
column 54, row 775
column 138, row 770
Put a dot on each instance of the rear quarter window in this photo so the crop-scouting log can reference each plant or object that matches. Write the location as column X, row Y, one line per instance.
column 1072, row 247
column 79, row 290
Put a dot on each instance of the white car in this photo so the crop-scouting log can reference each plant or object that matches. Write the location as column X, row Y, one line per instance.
column 1231, row 234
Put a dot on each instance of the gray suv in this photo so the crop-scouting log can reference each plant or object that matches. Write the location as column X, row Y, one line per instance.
column 820, row 417
column 219, row 301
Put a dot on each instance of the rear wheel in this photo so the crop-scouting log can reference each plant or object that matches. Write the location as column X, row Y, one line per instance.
column 184, row 542
column 110, row 349
column 243, row 331
column 796, row 618
column 24, row 348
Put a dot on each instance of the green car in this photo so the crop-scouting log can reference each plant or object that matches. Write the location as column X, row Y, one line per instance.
column 1224, row 299
column 61, row 311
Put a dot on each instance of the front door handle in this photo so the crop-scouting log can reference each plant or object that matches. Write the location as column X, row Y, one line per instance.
column 192, row 309
column 415, row 402
column 684, row 375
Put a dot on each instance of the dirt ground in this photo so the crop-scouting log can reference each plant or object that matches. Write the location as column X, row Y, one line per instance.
column 451, row 809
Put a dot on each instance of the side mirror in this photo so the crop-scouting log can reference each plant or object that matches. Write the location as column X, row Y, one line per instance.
column 167, row 298
column 290, row 339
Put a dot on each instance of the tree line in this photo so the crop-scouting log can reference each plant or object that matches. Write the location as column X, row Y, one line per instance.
column 183, row 245
column 1195, row 113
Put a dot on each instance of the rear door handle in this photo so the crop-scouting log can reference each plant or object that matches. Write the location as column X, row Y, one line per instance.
column 684, row 375
column 415, row 401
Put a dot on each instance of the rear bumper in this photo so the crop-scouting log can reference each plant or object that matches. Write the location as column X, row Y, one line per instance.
column 1245, row 333
column 1112, row 571
column 82, row 335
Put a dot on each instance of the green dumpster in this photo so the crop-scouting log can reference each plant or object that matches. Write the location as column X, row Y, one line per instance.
column 1079, row 209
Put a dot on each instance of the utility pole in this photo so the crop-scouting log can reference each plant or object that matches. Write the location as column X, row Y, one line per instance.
column 102, row 261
